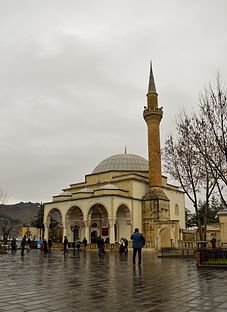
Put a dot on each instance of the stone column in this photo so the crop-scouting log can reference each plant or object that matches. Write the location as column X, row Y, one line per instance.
column 111, row 227
column 46, row 230
column 64, row 228
column 87, row 232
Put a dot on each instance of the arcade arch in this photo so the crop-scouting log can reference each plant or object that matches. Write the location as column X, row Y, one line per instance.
column 54, row 225
column 123, row 223
column 74, row 216
column 98, row 220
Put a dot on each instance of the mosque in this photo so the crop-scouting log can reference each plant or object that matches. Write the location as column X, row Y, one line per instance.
column 124, row 191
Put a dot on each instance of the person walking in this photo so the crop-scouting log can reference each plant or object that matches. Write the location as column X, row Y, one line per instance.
column 49, row 244
column 41, row 247
column 138, row 243
column 126, row 246
column 14, row 245
column 213, row 242
column 23, row 244
column 45, row 246
column 85, row 243
column 100, row 244
column 65, row 245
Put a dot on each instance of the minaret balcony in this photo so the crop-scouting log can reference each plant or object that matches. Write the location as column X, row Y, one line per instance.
column 153, row 113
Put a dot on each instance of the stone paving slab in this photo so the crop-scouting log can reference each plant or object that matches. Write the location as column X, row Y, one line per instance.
column 86, row 283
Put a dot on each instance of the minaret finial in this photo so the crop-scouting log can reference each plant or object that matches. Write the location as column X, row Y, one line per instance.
column 151, row 86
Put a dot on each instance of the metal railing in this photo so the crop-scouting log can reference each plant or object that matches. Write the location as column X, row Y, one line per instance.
column 209, row 257
column 172, row 252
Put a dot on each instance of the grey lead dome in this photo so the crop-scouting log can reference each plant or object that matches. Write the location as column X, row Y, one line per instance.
column 122, row 162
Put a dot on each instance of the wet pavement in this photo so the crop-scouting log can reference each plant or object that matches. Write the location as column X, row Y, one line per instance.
column 86, row 283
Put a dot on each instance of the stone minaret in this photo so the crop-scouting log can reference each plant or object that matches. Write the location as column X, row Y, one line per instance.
column 153, row 115
column 155, row 209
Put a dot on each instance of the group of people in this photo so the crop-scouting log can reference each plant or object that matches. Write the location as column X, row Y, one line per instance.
column 77, row 245
column 46, row 246
column 24, row 242
column 138, row 243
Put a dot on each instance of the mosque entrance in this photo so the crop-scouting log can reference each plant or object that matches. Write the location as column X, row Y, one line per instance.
column 93, row 237
column 55, row 228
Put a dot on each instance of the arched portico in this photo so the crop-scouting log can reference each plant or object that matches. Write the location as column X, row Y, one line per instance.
column 54, row 225
column 98, row 222
column 123, row 223
column 74, row 216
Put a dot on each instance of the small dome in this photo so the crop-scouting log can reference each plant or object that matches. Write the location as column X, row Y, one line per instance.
column 122, row 162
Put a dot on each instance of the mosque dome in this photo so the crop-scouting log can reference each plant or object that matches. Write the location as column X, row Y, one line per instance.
column 122, row 162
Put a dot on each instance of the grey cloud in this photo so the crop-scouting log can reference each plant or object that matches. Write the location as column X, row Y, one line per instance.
column 73, row 81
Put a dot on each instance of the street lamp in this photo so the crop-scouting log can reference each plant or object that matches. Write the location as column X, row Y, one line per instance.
column 74, row 229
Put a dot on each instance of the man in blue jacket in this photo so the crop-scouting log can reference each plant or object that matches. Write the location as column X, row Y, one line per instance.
column 138, row 243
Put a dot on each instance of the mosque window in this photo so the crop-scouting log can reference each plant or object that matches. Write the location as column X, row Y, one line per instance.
column 94, row 225
column 176, row 210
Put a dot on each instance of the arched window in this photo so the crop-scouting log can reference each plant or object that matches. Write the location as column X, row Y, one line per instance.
column 176, row 210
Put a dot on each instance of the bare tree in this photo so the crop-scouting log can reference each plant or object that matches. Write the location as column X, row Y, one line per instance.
column 182, row 162
column 213, row 107
column 5, row 223
column 209, row 133
column 197, row 158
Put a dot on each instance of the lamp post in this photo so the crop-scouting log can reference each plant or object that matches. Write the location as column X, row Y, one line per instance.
column 74, row 229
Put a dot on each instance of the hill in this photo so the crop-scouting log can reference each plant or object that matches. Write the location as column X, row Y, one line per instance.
column 22, row 213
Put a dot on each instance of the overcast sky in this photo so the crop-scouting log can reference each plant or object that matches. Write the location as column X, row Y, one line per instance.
column 74, row 77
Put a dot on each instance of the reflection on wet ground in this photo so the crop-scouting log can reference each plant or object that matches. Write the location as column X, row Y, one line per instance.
column 86, row 283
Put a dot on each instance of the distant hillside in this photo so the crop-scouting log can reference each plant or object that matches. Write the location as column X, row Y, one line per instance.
column 22, row 212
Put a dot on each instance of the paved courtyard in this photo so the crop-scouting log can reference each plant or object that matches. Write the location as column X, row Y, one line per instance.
column 85, row 283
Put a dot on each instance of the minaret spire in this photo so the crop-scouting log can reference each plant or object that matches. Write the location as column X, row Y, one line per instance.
column 151, row 86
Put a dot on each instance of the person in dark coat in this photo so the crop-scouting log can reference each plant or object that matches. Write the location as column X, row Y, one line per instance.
column 138, row 243
column 100, row 244
column 121, row 247
column 45, row 248
column 49, row 244
column 65, row 245
column 126, row 246
column 85, row 243
column 14, row 245
column 23, row 244
column 213, row 242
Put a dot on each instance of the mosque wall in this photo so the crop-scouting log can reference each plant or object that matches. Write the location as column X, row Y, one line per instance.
column 139, row 189
column 177, row 205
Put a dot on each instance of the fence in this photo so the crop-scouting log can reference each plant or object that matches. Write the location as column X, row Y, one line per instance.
column 211, row 257
column 171, row 252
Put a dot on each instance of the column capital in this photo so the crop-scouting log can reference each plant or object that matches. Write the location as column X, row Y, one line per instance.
column 112, row 222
